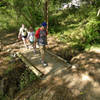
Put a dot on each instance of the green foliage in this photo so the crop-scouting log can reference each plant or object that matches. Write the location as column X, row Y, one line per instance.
column 7, row 16
column 14, row 12
column 10, row 65
column 28, row 11
column 10, row 68
column 79, row 26
column 26, row 78
column 91, row 32
column 5, row 98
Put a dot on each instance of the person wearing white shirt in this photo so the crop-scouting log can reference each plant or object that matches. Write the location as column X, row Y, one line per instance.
column 31, row 38
column 23, row 35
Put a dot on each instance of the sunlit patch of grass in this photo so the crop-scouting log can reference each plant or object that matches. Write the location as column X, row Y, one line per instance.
column 87, row 47
column 95, row 47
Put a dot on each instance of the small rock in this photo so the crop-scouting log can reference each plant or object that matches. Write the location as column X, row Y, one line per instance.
column 13, row 55
column 8, row 50
column 73, row 67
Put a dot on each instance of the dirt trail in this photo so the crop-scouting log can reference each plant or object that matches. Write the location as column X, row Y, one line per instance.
column 60, row 81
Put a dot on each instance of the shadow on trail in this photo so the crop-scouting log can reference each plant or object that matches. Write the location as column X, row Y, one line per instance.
column 8, row 38
column 88, row 61
column 83, row 85
column 62, row 82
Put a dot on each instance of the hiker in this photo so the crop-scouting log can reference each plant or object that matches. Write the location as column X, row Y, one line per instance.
column 31, row 38
column 41, row 38
column 23, row 35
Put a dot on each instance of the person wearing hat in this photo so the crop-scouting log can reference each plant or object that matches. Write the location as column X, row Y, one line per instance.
column 41, row 38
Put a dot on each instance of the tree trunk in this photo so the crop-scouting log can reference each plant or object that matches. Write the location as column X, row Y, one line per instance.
column 46, row 12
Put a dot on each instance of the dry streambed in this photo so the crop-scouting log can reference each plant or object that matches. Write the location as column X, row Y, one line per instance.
column 14, row 76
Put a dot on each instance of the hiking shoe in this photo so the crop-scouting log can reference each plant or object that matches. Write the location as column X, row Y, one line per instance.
column 44, row 63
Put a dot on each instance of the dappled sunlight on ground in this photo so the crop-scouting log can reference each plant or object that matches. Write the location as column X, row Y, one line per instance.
column 9, row 35
column 80, row 81
column 85, row 77
column 8, row 38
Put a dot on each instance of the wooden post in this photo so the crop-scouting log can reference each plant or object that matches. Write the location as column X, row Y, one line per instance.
column 46, row 12
column 29, row 65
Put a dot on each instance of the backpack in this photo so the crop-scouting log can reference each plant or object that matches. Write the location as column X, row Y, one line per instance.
column 24, row 32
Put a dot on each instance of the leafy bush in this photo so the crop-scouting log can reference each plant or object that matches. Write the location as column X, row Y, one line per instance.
column 26, row 78
column 91, row 32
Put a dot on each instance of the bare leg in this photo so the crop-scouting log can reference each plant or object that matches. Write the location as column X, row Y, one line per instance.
column 24, row 41
column 42, row 52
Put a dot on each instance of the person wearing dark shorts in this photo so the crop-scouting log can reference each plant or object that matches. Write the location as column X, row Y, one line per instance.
column 23, row 35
